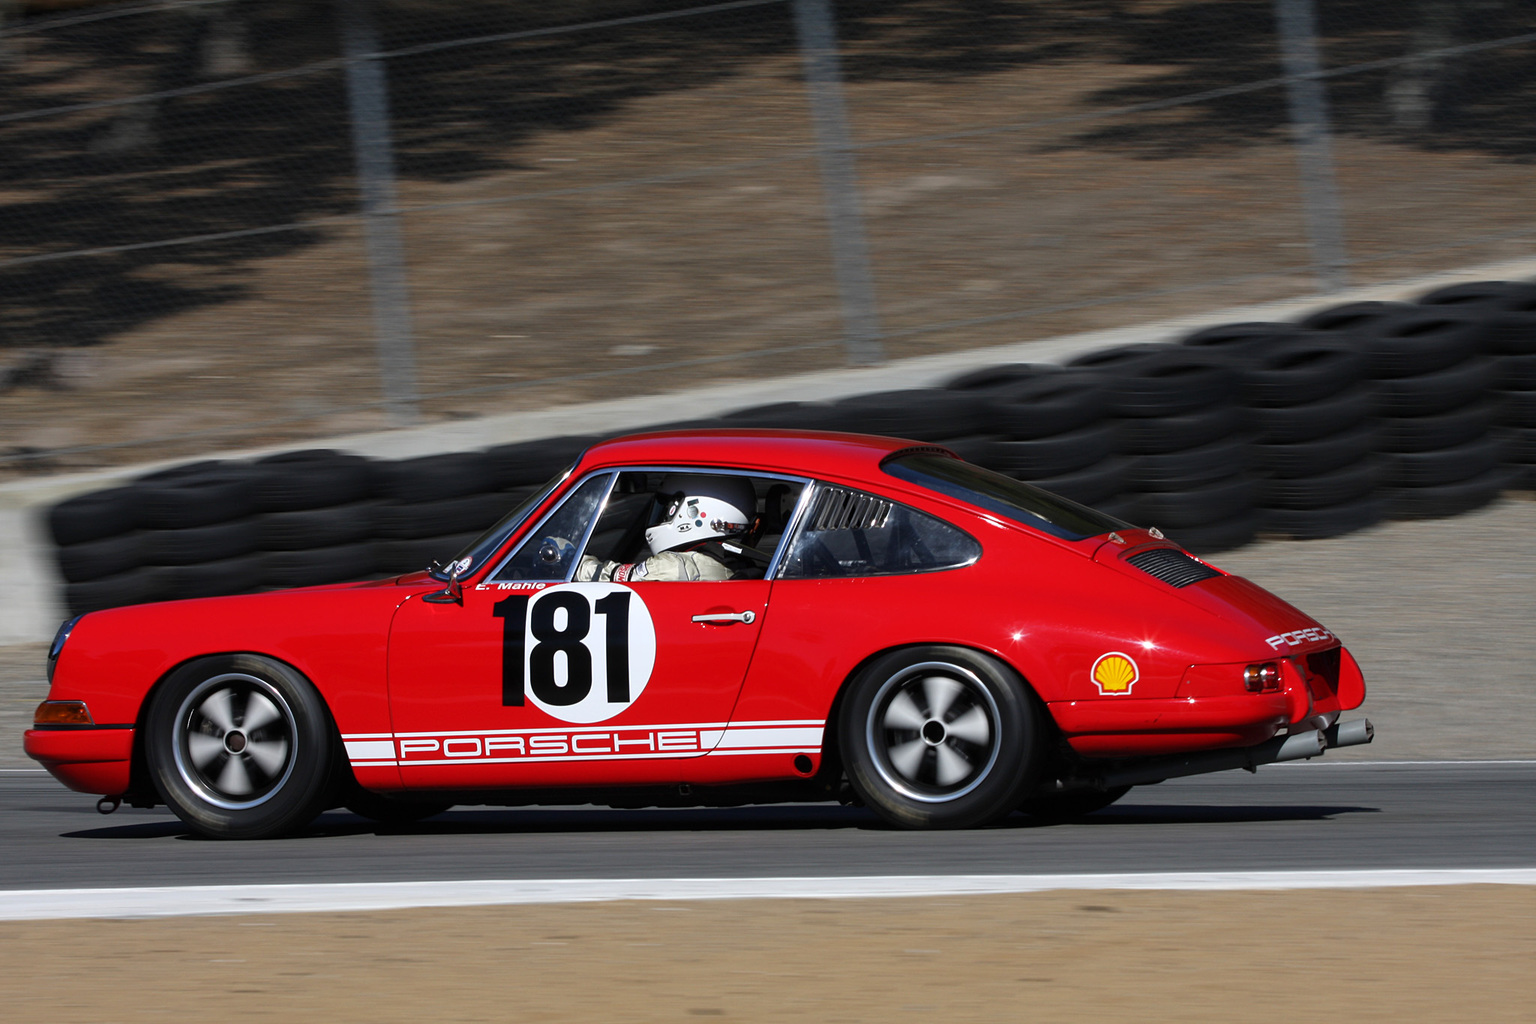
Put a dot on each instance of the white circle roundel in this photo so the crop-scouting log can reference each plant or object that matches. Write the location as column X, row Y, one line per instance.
column 588, row 650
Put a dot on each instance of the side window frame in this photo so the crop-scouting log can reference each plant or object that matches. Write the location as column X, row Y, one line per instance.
column 807, row 485
column 812, row 494
column 538, row 528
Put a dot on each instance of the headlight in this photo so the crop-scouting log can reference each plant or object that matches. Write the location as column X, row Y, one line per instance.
column 59, row 639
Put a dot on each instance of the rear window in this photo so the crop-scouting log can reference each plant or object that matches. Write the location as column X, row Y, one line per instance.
column 1002, row 495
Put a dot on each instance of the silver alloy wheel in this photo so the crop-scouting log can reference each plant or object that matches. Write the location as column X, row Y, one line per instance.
column 932, row 731
column 234, row 741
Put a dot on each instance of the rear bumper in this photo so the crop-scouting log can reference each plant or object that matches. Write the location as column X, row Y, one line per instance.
column 94, row 759
column 1139, row 728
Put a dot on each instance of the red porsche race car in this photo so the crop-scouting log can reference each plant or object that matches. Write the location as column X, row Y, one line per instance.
column 711, row 619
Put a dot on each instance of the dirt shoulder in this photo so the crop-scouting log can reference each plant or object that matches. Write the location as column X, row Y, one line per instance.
column 1423, row 955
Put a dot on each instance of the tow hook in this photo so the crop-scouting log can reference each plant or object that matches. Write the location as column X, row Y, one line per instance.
column 108, row 804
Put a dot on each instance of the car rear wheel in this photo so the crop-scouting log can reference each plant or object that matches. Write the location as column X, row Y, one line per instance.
column 240, row 747
column 939, row 737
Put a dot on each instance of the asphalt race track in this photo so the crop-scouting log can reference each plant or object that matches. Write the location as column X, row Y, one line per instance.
column 1312, row 816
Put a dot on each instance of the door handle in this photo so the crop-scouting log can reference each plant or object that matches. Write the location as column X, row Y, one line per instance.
column 723, row 617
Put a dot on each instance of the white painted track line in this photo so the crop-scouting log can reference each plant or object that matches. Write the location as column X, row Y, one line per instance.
column 171, row 901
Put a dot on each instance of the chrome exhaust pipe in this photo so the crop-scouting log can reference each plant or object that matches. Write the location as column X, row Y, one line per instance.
column 1350, row 734
column 1301, row 744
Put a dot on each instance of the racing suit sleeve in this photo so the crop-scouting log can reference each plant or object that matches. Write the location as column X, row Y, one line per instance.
column 669, row 565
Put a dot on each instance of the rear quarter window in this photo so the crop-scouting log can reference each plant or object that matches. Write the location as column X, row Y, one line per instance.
column 848, row 533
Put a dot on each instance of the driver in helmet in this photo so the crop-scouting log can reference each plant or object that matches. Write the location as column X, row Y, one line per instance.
column 699, row 535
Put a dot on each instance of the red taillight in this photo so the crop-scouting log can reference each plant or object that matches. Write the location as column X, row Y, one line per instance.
column 1263, row 678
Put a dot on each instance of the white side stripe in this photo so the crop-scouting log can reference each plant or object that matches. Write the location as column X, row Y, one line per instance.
column 167, row 901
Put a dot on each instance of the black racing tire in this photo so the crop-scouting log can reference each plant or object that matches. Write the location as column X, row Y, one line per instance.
column 198, row 544
column 1243, row 341
column 1420, row 340
column 939, row 737
column 388, row 808
column 1450, row 499
column 1323, row 455
column 435, row 518
column 1352, row 316
column 240, row 746
column 1341, row 485
column 1302, row 369
column 1098, row 482
column 436, row 477
column 1161, row 380
column 925, row 414
column 97, row 559
column 1517, row 408
column 201, row 495
column 314, row 478
column 1158, row 434
column 529, row 463
column 1047, row 405
column 95, row 516
column 317, row 566
column 1517, row 373
column 1481, row 296
column 989, row 378
column 1513, row 332
column 787, row 416
column 1058, row 808
column 1198, row 506
column 226, row 576
column 976, row 448
column 1191, row 468
column 136, row 586
column 1445, row 466
column 1445, row 430
column 1297, row 423
column 1441, row 391
column 1044, row 457
column 1213, row 538
column 310, row 528
column 1317, row 523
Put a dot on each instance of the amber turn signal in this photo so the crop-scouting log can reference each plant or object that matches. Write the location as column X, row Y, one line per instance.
column 62, row 712
column 1262, row 678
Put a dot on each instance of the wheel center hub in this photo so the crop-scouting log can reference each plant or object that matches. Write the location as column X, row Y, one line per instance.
column 933, row 732
column 234, row 742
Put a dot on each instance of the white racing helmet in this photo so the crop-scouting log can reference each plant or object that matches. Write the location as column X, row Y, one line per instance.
column 699, row 508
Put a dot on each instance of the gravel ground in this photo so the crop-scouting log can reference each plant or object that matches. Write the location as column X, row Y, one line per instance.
column 1438, row 612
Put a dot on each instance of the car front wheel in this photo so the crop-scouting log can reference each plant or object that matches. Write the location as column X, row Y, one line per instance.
column 939, row 737
column 240, row 747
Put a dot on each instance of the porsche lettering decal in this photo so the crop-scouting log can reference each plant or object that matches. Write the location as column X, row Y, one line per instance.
column 647, row 741
column 1298, row 636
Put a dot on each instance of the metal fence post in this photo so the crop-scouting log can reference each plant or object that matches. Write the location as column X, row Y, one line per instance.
column 1297, row 24
column 368, row 105
column 834, row 152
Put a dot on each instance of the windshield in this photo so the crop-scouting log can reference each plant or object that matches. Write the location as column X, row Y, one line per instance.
column 485, row 545
column 1002, row 495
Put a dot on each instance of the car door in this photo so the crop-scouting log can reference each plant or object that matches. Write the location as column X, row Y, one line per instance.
column 536, row 680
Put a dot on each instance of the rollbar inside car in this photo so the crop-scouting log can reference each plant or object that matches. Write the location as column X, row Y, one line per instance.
column 1172, row 566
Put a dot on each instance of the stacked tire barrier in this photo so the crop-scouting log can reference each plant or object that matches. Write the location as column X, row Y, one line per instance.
column 1049, row 426
column 1311, row 427
column 1180, row 430
column 1359, row 412
column 294, row 519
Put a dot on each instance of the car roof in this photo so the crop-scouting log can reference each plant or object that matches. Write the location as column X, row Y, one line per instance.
column 796, row 452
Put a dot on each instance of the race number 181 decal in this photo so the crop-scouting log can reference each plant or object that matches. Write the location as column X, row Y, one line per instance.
column 581, row 652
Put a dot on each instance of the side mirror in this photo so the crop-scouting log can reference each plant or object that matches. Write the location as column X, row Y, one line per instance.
column 453, row 592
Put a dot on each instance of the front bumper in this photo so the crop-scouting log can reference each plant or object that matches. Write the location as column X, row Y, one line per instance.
column 87, row 759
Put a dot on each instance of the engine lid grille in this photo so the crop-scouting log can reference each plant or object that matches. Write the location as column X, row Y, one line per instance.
column 1172, row 566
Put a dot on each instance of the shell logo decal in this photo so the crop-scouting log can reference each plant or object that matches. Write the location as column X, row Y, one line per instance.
column 1115, row 673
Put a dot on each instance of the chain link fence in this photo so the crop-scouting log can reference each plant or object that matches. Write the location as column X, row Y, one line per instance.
column 236, row 222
